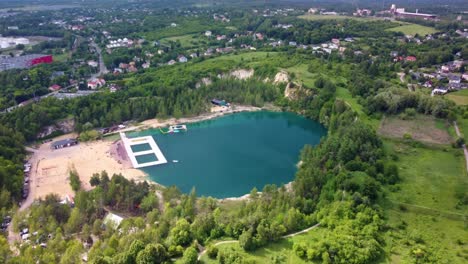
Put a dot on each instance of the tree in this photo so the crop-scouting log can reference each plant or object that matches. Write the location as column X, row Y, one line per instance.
column 95, row 180
column 190, row 256
column 75, row 181
column 5, row 252
column 152, row 253
column 180, row 234
column 246, row 240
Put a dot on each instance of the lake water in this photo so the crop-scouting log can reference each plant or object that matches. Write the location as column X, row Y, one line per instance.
column 228, row 156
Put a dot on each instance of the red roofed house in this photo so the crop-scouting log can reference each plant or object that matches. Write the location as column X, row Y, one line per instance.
column 410, row 58
column 55, row 87
column 96, row 83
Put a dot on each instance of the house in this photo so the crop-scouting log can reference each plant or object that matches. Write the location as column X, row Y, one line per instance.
column 292, row 43
column 123, row 65
column 171, row 62
column 219, row 102
column 146, row 65
column 114, row 88
column 96, row 83
column 55, row 88
column 13, row 28
column 132, row 68
column 173, row 25
column 92, row 63
column 182, row 59
column 64, row 143
column 259, row 36
column 454, row 79
column 465, row 76
column 410, row 58
column 193, row 55
column 208, row 33
column 220, row 37
column 394, row 53
column 335, row 41
column 445, row 68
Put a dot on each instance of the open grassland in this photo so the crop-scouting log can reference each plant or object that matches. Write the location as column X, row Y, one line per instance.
column 413, row 29
column 431, row 176
column 184, row 27
column 186, row 41
column 424, row 210
column 421, row 128
column 459, row 97
column 281, row 251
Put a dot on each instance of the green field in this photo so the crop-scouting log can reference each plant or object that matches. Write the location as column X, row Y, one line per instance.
column 459, row 97
column 422, row 209
column 281, row 250
column 413, row 29
column 187, row 41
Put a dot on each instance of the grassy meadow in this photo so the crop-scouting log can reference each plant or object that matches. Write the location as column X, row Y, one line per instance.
column 423, row 210
column 413, row 29
column 459, row 97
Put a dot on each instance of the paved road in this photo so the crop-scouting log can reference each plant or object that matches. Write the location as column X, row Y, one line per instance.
column 463, row 146
column 102, row 67
column 235, row 241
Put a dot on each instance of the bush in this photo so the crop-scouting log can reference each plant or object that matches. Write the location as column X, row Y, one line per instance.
column 212, row 251
column 75, row 181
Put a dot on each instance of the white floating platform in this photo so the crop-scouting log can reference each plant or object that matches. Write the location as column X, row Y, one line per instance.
column 129, row 142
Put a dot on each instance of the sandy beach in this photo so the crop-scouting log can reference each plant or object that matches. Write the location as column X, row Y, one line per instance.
column 51, row 167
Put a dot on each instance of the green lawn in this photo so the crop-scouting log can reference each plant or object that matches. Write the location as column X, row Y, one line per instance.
column 430, row 179
column 459, row 97
column 282, row 249
column 187, row 41
column 413, row 29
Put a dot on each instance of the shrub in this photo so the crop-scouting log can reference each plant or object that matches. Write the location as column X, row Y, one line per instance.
column 212, row 251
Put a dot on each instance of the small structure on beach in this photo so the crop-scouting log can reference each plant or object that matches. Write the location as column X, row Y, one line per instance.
column 64, row 143
column 219, row 102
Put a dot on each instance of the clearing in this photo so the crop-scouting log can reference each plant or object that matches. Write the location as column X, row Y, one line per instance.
column 413, row 29
column 424, row 210
column 186, row 41
column 459, row 97
column 281, row 250
column 421, row 128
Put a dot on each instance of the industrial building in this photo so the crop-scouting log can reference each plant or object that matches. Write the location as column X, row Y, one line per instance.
column 401, row 13
column 24, row 62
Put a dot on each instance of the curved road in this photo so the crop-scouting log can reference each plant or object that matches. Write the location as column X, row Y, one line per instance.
column 235, row 241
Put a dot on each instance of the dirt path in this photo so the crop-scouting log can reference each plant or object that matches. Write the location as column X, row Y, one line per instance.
column 235, row 241
column 465, row 151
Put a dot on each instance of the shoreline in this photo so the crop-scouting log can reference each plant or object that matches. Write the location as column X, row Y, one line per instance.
column 214, row 113
column 50, row 175
column 219, row 112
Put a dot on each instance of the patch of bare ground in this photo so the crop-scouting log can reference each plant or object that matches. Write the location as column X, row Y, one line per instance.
column 421, row 128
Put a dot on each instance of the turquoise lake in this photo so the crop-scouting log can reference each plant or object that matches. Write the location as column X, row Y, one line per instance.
column 228, row 156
